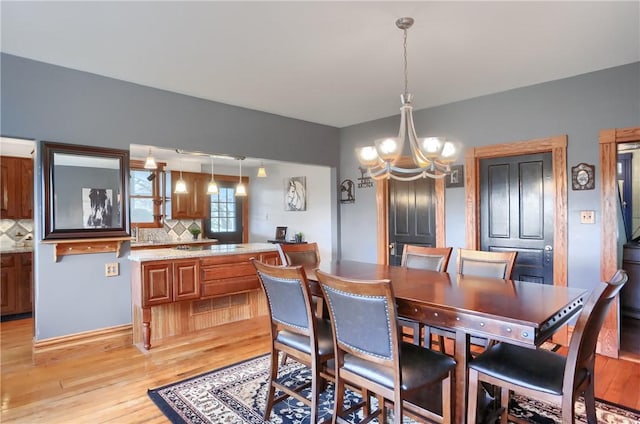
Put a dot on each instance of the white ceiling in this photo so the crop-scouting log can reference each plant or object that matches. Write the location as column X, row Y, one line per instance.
column 335, row 63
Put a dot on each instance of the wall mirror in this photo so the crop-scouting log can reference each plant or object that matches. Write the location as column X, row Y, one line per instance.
column 85, row 191
column 628, row 179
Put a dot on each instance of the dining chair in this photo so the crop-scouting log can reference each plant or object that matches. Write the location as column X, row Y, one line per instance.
column 295, row 331
column 545, row 375
column 489, row 264
column 305, row 254
column 433, row 259
column 308, row 256
column 370, row 354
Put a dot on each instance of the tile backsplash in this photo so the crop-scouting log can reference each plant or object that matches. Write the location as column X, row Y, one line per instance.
column 14, row 231
column 173, row 230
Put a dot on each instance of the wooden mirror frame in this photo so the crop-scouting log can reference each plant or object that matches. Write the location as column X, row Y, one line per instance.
column 609, row 342
column 50, row 230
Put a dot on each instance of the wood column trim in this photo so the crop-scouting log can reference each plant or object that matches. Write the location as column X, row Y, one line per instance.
column 608, row 140
column 557, row 145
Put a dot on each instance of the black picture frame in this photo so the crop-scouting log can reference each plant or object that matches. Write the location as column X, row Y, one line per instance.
column 86, row 192
column 583, row 177
column 281, row 233
column 455, row 178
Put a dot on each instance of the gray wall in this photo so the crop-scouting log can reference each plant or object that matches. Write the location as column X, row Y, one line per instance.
column 49, row 103
column 579, row 107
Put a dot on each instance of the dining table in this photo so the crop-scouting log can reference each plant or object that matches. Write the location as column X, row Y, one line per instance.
column 517, row 312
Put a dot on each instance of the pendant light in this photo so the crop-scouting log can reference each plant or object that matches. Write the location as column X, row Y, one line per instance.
column 212, row 188
column 150, row 163
column 262, row 172
column 432, row 156
column 181, row 185
column 240, row 188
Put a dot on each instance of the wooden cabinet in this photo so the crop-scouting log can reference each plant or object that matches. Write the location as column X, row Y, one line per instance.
column 15, row 283
column 16, row 188
column 195, row 203
column 162, row 283
column 170, row 281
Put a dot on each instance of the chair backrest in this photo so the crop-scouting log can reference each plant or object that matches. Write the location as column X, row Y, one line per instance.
column 305, row 254
column 486, row 264
column 582, row 348
column 363, row 315
column 423, row 257
column 288, row 297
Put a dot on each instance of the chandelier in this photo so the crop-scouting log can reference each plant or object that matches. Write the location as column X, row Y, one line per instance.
column 431, row 156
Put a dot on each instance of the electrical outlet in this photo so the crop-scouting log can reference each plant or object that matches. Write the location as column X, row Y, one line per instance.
column 111, row 269
column 587, row 217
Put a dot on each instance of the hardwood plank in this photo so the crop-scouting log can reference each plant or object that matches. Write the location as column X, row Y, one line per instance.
column 111, row 387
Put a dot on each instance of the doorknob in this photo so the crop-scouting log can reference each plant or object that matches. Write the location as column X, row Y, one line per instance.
column 548, row 248
column 392, row 249
column 548, row 254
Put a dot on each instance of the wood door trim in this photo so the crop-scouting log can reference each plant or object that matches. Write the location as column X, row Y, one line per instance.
column 382, row 212
column 557, row 145
column 609, row 343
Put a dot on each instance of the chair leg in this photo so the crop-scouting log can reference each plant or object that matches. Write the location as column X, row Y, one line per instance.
column 338, row 403
column 397, row 407
column 441, row 345
column 272, row 390
column 590, row 404
column 447, row 399
column 503, row 392
column 568, row 403
column 315, row 395
column 472, row 397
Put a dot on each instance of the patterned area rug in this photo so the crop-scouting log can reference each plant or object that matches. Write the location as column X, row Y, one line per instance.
column 236, row 394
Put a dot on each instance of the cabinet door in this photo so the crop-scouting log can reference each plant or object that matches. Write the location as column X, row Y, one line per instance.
column 191, row 205
column 8, row 285
column 7, row 188
column 199, row 199
column 25, row 285
column 25, row 173
column 157, row 283
column 186, row 279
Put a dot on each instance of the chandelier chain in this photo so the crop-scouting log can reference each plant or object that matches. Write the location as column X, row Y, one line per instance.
column 406, row 68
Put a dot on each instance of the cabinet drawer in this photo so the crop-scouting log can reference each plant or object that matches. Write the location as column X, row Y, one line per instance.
column 217, row 272
column 229, row 286
column 7, row 261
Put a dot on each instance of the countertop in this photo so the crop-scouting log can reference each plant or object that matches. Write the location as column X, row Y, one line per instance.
column 142, row 244
column 142, row 255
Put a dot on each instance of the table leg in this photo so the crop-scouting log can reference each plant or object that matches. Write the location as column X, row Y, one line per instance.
column 462, row 357
column 146, row 327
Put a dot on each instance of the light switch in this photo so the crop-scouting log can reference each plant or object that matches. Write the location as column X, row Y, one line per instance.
column 587, row 217
column 111, row 269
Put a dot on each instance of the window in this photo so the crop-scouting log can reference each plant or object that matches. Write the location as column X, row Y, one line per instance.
column 227, row 211
column 145, row 197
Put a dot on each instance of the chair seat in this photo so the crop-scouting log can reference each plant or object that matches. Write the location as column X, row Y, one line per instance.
column 419, row 367
column 301, row 343
column 534, row 369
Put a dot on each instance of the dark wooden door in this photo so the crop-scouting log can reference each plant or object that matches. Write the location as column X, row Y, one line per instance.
column 411, row 215
column 625, row 190
column 516, row 212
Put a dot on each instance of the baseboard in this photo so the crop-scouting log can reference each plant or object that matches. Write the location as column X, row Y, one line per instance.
column 81, row 344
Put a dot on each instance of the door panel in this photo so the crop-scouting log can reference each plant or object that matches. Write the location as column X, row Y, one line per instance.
column 411, row 215
column 517, row 212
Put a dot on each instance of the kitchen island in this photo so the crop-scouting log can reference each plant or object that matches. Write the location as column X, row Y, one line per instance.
column 176, row 292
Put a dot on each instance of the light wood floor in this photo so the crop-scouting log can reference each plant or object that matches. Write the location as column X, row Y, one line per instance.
column 112, row 387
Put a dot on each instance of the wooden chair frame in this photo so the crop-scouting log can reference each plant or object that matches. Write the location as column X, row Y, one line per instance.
column 579, row 366
column 284, row 248
column 418, row 327
column 378, row 288
column 484, row 256
column 315, row 361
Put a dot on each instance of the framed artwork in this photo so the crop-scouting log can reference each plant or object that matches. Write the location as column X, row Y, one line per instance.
column 85, row 192
column 455, row 178
column 281, row 233
column 583, row 177
column 295, row 194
